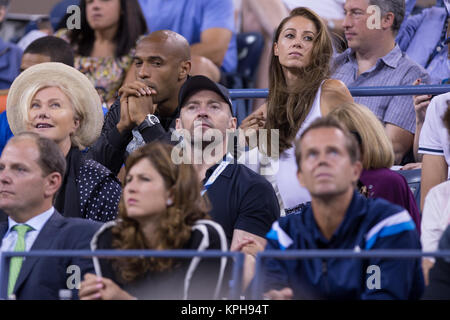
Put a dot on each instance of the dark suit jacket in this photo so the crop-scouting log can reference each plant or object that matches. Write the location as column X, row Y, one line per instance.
column 41, row 278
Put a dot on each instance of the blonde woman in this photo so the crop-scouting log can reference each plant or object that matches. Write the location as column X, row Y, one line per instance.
column 377, row 155
column 60, row 103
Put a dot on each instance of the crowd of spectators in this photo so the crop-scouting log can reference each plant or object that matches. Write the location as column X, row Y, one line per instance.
column 121, row 134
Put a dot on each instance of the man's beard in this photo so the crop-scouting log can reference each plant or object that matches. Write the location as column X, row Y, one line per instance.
column 207, row 149
column 205, row 144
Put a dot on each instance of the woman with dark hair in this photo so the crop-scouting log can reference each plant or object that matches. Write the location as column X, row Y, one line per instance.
column 300, row 91
column 104, row 43
column 161, row 209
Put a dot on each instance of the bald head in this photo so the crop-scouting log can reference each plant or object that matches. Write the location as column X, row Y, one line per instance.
column 163, row 62
column 174, row 42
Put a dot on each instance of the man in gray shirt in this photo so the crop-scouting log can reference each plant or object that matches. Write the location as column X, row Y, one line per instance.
column 374, row 59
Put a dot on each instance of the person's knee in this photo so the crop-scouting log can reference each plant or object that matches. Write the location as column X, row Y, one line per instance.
column 205, row 67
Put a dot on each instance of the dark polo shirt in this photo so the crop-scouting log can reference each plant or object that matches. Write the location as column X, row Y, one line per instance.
column 242, row 199
column 3, row 216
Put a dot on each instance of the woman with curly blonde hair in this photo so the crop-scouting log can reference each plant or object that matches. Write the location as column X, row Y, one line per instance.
column 161, row 209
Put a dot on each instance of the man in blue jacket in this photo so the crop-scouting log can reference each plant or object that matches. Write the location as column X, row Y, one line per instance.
column 340, row 218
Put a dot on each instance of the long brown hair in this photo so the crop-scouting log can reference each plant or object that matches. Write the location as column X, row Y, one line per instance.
column 174, row 227
column 287, row 108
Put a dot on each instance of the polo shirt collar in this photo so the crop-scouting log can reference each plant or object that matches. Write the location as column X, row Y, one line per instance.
column 228, row 172
column 391, row 59
column 349, row 55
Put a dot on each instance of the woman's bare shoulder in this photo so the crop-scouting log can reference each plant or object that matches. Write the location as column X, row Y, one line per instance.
column 334, row 93
column 334, row 84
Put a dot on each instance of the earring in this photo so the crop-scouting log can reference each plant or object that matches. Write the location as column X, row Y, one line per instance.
column 169, row 202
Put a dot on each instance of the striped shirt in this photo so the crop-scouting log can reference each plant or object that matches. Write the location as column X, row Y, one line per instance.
column 394, row 69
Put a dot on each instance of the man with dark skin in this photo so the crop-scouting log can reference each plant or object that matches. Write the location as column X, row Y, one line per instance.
column 147, row 107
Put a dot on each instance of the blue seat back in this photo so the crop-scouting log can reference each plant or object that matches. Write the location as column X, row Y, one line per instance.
column 250, row 46
column 413, row 178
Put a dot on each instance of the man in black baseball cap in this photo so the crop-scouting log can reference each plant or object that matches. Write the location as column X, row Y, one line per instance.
column 206, row 114
column 198, row 83
column 243, row 202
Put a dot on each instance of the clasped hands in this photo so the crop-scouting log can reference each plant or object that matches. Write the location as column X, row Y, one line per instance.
column 99, row 288
column 136, row 102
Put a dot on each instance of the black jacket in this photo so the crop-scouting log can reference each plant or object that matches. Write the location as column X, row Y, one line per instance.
column 110, row 147
column 89, row 190
column 191, row 278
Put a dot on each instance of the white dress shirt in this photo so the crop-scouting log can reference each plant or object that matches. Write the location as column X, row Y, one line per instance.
column 37, row 223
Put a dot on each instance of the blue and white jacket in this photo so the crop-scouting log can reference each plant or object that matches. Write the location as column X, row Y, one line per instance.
column 368, row 224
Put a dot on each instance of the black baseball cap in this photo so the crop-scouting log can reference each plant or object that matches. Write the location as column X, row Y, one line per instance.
column 198, row 83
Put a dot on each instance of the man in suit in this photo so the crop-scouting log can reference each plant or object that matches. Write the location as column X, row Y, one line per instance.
column 31, row 171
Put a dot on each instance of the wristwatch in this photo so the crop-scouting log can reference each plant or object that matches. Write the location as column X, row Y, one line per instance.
column 149, row 121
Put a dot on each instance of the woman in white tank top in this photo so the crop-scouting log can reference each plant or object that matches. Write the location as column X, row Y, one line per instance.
column 299, row 92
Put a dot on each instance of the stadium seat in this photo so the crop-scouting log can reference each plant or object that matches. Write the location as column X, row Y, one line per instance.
column 249, row 46
column 413, row 179
column 3, row 95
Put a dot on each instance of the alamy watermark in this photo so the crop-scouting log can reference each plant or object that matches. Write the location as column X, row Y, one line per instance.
column 374, row 20
column 202, row 147
column 374, row 277
column 74, row 278
column 74, row 20
column 373, row 280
